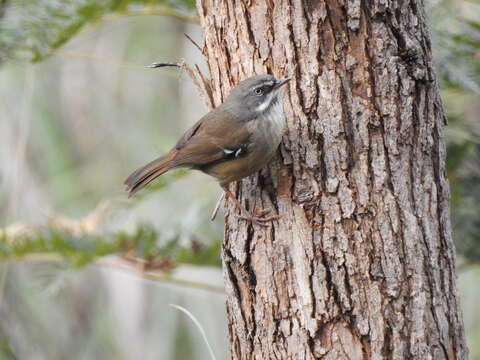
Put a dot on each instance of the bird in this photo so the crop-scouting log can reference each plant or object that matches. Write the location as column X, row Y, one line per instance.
column 234, row 140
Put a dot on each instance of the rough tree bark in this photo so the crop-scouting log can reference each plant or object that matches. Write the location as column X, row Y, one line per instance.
column 361, row 264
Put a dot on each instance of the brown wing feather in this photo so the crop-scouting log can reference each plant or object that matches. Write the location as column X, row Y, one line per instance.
column 218, row 133
column 202, row 144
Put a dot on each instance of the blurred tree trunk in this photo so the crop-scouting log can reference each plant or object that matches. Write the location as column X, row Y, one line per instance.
column 361, row 264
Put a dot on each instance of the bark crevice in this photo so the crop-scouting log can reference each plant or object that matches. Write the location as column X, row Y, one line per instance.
column 361, row 264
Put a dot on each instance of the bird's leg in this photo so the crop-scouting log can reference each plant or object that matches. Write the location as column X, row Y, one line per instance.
column 259, row 219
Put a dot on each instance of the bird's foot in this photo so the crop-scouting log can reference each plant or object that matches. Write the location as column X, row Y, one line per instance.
column 258, row 218
column 254, row 218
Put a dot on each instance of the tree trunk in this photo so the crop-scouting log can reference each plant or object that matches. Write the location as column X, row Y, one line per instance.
column 361, row 263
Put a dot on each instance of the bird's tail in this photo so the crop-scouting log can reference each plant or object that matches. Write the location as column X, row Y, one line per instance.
column 146, row 174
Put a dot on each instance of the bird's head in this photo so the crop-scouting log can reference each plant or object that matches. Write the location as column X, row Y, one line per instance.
column 255, row 96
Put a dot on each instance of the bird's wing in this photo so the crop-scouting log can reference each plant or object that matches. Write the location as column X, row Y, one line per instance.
column 218, row 136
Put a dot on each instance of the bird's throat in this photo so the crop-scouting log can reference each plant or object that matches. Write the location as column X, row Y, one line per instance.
column 270, row 124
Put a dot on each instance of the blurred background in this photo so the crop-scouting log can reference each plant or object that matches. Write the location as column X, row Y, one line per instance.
column 87, row 273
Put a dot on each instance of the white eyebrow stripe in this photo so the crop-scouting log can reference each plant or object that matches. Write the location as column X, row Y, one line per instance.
column 266, row 83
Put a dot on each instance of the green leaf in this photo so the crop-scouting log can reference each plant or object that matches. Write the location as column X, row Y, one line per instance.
column 143, row 245
column 33, row 29
column 455, row 44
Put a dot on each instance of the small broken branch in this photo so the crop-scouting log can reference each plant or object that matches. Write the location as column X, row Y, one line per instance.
column 199, row 80
column 156, row 65
column 201, row 49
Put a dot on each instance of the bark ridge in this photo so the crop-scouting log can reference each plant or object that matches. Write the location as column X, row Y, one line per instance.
column 361, row 264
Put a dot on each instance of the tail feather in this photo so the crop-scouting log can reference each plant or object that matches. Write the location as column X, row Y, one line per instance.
column 146, row 174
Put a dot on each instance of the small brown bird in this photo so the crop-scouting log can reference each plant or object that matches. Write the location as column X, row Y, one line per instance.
column 232, row 141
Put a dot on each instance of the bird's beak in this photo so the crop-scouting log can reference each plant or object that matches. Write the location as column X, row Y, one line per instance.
column 281, row 82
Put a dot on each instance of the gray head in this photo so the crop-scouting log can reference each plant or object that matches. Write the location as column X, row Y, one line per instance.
column 254, row 96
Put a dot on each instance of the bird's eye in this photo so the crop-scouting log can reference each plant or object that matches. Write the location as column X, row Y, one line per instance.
column 258, row 91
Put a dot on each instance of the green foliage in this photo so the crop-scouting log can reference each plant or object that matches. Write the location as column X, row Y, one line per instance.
column 456, row 43
column 143, row 245
column 464, row 169
column 32, row 29
column 456, row 46
column 460, row 80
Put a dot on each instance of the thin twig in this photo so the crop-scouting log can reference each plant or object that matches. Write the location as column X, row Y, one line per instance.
column 202, row 85
column 156, row 65
column 108, row 61
column 151, row 11
column 194, row 43
column 141, row 12
column 215, row 211
column 199, row 326
column 206, row 86
column 115, row 262
column 197, row 78
column 165, row 277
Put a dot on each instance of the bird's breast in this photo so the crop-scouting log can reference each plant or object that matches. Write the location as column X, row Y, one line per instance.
column 266, row 133
column 268, row 127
